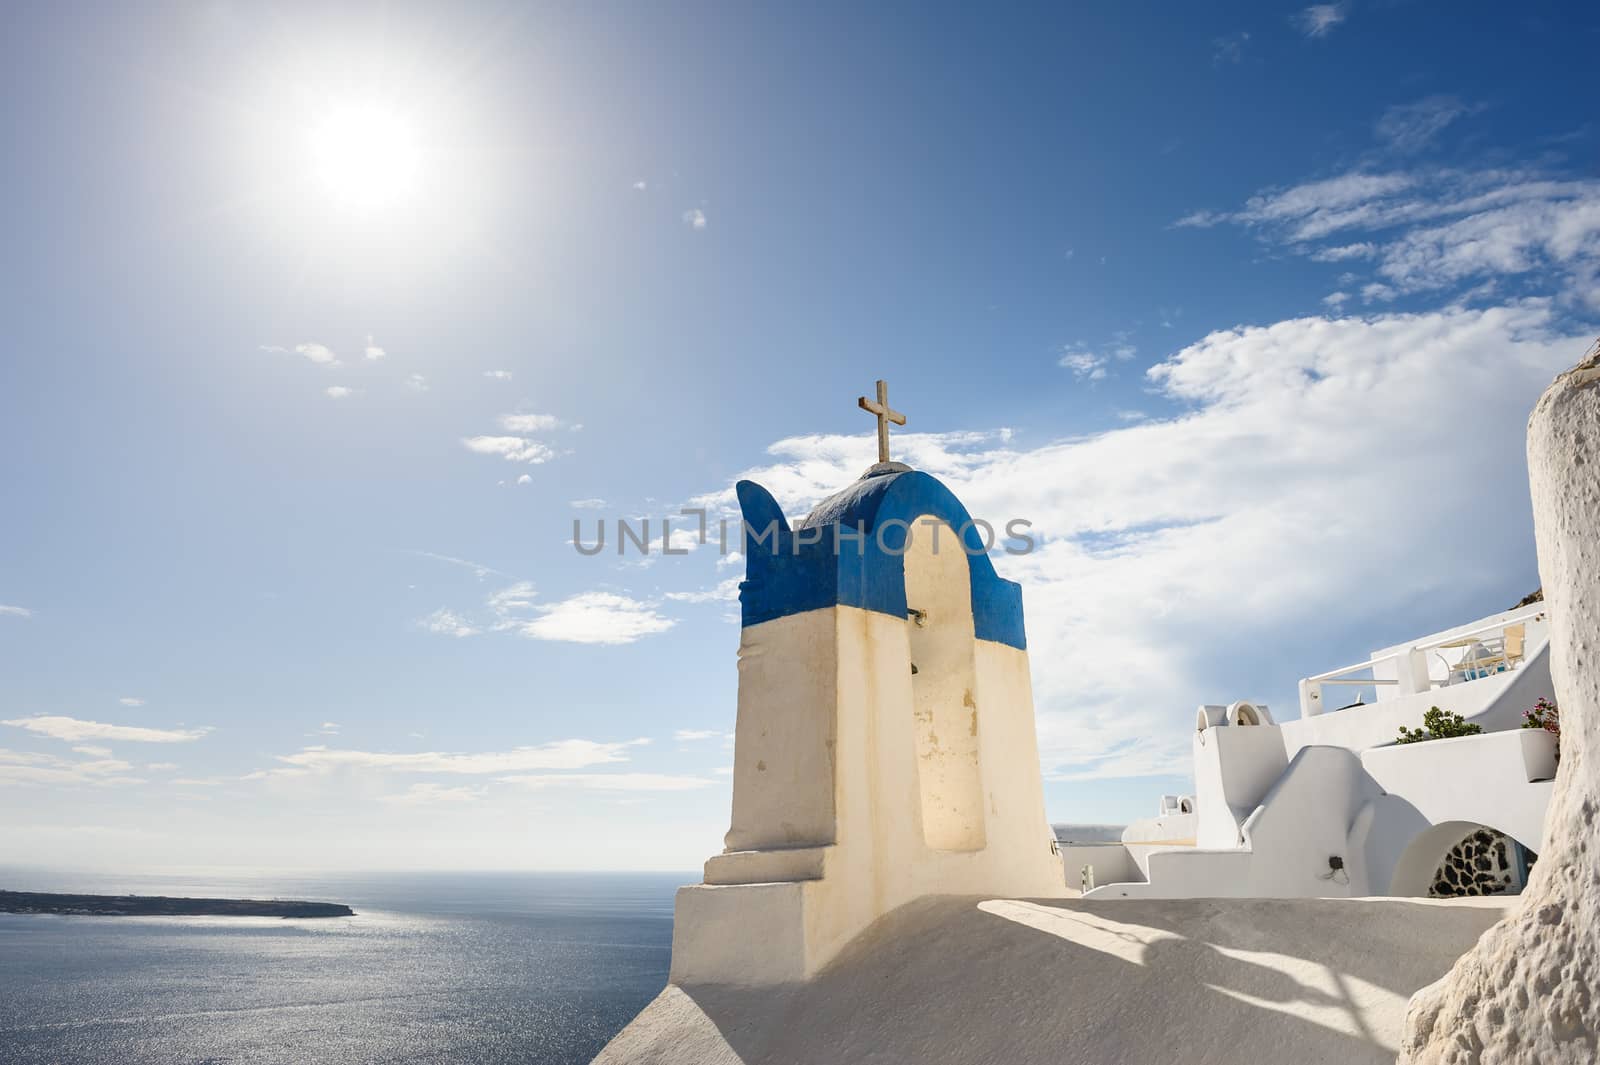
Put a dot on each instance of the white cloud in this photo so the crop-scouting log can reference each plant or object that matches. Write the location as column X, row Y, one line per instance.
column 587, row 504
column 372, row 351
column 498, row 375
column 23, row 768
column 447, row 623
column 428, row 792
column 589, row 617
column 612, row 781
column 1087, row 362
column 1435, row 229
column 512, row 600
column 529, row 423
column 1412, row 127
column 15, row 611
column 695, row 218
column 479, row 569
column 161, row 767
column 73, row 730
column 1364, row 250
column 1176, row 553
column 511, row 448
column 131, row 700
column 330, row 728
column 723, row 591
column 689, row 735
column 1318, row 20
column 339, row 392
column 317, row 353
column 640, row 186
column 594, row 617
column 417, row 383
column 524, row 479
column 562, row 754
column 94, row 752
column 1336, row 300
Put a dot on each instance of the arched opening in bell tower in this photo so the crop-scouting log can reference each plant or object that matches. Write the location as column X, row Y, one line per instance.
column 944, row 688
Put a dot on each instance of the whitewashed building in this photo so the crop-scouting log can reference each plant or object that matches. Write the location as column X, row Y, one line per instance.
column 1330, row 805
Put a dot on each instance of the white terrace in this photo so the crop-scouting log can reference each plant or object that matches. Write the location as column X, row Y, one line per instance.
column 1328, row 805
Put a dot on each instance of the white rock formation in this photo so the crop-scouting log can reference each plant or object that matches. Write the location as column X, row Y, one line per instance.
column 1529, row 992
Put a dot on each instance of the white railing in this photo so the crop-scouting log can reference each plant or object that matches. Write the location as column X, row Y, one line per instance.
column 1407, row 670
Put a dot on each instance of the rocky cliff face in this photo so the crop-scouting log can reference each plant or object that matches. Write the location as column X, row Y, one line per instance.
column 1529, row 992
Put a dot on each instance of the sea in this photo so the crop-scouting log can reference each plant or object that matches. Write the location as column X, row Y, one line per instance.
column 490, row 968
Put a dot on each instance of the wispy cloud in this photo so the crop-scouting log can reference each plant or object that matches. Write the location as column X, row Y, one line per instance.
column 131, row 700
column 1414, row 126
column 23, row 768
column 529, row 423
column 320, row 354
column 73, row 730
column 562, row 754
column 15, row 611
column 587, row 504
column 694, row 218
column 593, row 617
column 447, row 623
column 339, row 392
column 372, row 351
column 690, row 735
column 511, row 448
column 1318, row 20
column 1087, row 363
column 721, row 592
column 498, row 375
column 1431, row 229
column 478, row 569
column 612, row 781
column 417, row 383
column 428, row 792
column 1229, row 49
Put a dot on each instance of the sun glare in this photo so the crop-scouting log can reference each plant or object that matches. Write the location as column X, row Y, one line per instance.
column 366, row 157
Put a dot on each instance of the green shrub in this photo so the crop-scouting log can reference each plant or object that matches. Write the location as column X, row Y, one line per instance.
column 1438, row 725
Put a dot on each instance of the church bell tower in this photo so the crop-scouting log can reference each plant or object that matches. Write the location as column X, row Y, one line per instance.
column 885, row 745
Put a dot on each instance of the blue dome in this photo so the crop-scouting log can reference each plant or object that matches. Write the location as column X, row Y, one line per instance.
column 849, row 551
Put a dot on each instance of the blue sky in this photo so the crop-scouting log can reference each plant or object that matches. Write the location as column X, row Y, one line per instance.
column 1244, row 307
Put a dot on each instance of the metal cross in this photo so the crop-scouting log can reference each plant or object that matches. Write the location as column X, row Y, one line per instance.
column 885, row 416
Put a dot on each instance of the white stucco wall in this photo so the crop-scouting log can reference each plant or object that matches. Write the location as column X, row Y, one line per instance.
column 1372, row 811
column 1234, row 766
column 1170, row 828
column 1112, row 863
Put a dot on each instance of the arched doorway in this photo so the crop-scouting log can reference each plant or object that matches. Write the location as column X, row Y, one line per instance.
column 1457, row 859
column 944, row 685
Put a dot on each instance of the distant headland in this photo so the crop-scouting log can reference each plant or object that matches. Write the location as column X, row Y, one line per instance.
column 161, row 906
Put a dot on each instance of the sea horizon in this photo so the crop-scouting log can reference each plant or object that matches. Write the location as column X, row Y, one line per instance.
column 490, row 967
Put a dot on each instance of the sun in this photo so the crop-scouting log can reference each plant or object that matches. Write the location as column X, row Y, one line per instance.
column 366, row 157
